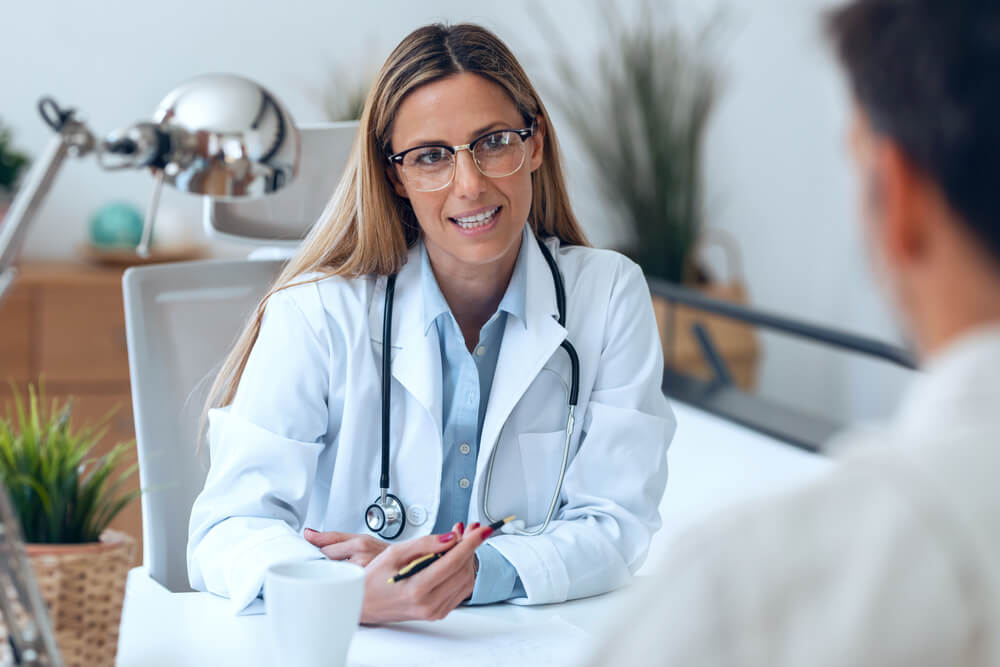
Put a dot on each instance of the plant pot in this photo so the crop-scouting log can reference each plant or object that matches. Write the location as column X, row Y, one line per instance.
column 84, row 586
column 736, row 343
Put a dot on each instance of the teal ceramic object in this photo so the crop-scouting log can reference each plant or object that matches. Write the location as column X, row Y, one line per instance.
column 116, row 225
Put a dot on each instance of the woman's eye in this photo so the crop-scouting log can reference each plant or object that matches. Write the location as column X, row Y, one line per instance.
column 429, row 158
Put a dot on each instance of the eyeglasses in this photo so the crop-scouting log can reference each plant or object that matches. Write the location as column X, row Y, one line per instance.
column 496, row 154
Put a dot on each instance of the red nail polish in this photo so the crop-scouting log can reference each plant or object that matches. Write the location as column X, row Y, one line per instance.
column 447, row 537
column 474, row 526
column 461, row 528
column 487, row 532
column 311, row 530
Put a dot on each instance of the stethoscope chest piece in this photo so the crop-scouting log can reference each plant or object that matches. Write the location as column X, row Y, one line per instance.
column 385, row 517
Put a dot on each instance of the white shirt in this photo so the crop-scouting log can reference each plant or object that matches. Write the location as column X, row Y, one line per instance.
column 893, row 559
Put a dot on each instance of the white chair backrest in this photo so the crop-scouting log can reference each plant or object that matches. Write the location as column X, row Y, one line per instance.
column 181, row 320
column 285, row 217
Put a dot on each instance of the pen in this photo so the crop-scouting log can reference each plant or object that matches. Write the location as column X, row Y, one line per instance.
column 419, row 564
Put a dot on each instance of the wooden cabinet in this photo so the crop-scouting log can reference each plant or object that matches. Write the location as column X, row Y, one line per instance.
column 64, row 324
column 15, row 337
column 81, row 333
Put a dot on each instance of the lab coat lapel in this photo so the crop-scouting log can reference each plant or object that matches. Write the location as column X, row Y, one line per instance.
column 416, row 358
column 524, row 350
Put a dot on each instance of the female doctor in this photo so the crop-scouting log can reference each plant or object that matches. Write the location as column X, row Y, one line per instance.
column 443, row 349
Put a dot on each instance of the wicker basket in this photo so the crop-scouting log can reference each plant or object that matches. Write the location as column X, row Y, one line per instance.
column 84, row 586
column 736, row 342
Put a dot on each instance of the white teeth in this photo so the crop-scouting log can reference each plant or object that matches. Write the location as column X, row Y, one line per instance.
column 474, row 221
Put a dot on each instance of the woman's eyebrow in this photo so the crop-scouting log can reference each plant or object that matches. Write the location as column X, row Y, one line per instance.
column 475, row 134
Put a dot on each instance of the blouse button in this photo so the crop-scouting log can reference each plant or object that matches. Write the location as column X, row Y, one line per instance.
column 464, row 483
column 464, row 448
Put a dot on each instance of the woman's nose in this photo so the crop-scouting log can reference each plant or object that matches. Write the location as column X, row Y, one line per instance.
column 469, row 181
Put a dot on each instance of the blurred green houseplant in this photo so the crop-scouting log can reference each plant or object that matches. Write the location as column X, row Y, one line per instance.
column 61, row 492
column 641, row 117
column 12, row 163
column 343, row 98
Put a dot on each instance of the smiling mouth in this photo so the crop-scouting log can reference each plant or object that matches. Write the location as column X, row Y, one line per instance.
column 476, row 221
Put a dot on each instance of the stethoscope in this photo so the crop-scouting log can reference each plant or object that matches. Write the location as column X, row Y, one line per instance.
column 386, row 516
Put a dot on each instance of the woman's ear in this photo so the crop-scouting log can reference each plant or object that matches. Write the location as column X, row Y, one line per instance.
column 397, row 184
column 537, row 143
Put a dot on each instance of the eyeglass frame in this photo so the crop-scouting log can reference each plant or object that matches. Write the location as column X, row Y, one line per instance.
column 524, row 133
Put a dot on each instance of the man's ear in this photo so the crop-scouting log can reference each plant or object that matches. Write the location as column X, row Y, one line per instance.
column 537, row 143
column 905, row 191
column 397, row 184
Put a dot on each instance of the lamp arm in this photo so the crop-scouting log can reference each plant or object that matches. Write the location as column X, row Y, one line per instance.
column 147, row 222
column 73, row 138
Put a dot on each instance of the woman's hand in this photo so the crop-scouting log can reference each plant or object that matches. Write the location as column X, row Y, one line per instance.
column 431, row 593
column 356, row 549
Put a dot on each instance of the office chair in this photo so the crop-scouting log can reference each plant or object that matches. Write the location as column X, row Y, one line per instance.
column 182, row 319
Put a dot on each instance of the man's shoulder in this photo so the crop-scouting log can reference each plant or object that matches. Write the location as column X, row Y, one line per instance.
column 867, row 546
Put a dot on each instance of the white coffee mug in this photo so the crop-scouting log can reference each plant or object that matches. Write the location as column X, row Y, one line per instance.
column 313, row 608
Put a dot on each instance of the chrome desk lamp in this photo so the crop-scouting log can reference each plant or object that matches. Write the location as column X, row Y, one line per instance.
column 219, row 135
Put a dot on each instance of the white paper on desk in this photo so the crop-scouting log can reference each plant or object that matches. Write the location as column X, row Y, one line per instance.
column 468, row 639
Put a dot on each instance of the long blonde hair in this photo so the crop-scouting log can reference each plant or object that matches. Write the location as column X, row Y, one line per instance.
column 367, row 228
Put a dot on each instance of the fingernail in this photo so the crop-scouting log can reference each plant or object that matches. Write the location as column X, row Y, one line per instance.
column 447, row 537
column 474, row 526
column 310, row 530
column 461, row 528
column 487, row 532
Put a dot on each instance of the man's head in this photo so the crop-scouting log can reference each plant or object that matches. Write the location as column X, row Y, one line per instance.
column 926, row 81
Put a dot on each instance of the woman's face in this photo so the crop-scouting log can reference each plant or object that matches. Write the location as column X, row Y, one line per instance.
column 454, row 111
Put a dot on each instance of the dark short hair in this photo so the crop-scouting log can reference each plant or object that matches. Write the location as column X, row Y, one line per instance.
column 927, row 74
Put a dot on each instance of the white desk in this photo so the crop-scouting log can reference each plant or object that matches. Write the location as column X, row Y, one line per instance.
column 713, row 465
column 160, row 628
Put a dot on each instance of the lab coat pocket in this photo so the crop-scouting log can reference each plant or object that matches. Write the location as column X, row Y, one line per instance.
column 541, row 460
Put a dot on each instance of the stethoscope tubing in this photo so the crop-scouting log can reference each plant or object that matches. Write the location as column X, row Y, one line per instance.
column 574, row 388
column 390, row 291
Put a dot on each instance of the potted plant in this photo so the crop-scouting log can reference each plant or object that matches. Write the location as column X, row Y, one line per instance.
column 641, row 117
column 343, row 97
column 12, row 165
column 65, row 496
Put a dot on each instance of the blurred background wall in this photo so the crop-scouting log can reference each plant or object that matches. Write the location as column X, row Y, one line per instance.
column 776, row 169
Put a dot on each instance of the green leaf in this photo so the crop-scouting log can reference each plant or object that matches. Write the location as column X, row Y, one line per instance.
column 12, row 162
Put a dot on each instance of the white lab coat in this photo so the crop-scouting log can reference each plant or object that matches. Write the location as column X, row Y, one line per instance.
column 892, row 560
column 300, row 446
